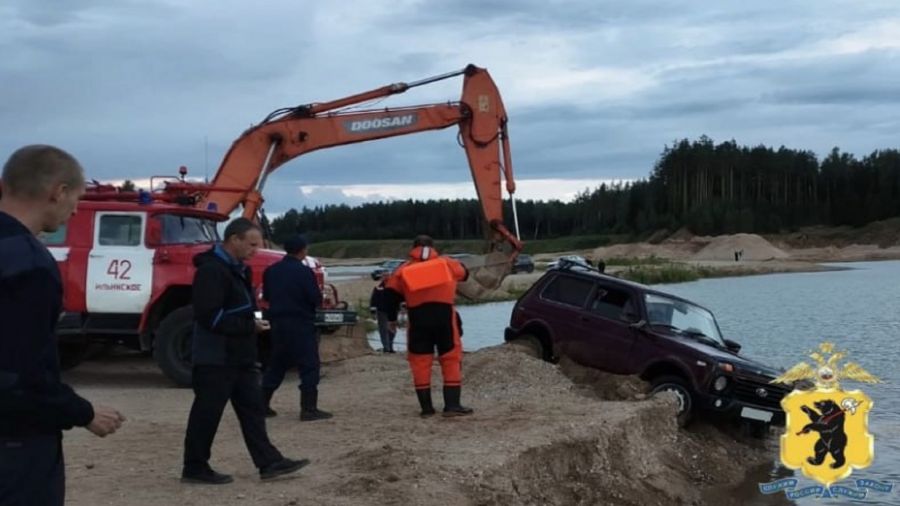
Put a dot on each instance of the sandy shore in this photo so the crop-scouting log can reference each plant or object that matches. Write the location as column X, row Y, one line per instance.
column 537, row 437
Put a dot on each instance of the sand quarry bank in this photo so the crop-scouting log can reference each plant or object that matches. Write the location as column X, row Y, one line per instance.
column 807, row 251
column 542, row 434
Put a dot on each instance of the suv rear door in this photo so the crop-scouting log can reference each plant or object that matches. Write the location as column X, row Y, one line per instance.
column 564, row 298
column 609, row 338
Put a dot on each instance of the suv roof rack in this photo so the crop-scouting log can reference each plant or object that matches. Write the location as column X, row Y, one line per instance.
column 566, row 264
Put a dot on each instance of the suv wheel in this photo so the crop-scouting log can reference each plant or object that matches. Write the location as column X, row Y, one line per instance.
column 677, row 386
column 530, row 345
column 172, row 345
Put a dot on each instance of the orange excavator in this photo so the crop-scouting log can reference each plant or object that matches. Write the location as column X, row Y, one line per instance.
column 290, row 132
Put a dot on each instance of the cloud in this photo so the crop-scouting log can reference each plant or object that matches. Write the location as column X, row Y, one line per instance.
column 527, row 189
column 594, row 90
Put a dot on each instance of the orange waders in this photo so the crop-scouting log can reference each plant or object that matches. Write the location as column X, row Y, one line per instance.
column 428, row 285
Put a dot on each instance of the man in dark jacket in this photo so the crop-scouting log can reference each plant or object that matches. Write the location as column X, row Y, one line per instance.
column 379, row 306
column 224, row 353
column 293, row 295
column 41, row 188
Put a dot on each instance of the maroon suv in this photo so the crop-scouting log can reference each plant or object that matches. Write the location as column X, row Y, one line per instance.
column 627, row 328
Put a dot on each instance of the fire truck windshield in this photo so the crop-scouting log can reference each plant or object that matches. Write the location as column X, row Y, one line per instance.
column 180, row 229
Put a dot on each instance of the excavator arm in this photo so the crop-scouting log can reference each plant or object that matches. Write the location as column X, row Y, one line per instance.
column 288, row 133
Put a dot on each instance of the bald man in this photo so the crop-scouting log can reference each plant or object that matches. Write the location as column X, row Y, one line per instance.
column 40, row 188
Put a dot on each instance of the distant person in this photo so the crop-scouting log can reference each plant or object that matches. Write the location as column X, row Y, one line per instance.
column 224, row 352
column 290, row 288
column 378, row 305
column 427, row 282
column 600, row 264
column 41, row 188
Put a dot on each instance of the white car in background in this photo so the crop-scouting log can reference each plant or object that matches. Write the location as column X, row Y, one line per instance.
column 570, row 258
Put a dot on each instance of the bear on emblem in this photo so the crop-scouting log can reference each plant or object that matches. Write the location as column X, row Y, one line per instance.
column 830, row 426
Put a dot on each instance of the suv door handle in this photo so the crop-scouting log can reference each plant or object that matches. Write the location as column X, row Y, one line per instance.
column 95, row 255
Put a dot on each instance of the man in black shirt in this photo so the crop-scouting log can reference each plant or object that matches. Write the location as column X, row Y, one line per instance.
column 41, row 186
column 224, row 354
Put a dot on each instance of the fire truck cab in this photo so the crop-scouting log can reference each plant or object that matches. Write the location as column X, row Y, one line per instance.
column 126, row 260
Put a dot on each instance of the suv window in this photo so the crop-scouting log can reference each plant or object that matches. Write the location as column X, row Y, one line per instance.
column 611, row 303
column 568, row 290
column 120, row 230
column 682, row 316
column 180, row 229
column 55, row 238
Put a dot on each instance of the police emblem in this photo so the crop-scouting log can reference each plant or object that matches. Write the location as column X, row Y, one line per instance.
column 827, row 428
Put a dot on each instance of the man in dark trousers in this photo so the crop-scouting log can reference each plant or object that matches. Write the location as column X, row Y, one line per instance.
column 293, row 295
column 378, row 305
column 224, row 352
column 41, row 186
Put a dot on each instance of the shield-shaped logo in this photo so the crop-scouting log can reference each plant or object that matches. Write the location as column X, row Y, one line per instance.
column 827, row 429
column 827, row 433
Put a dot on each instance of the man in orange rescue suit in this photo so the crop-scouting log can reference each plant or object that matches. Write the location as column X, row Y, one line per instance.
column 427, row 282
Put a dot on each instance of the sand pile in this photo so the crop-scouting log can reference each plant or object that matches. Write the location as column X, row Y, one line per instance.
column 346, row 342
column 666, row 249
column 541, row 435
column 752, row 246
column 682, row 234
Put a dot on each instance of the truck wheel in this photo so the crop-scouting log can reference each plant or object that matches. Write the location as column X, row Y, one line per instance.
column 331, row 329
column 172, row 345
column 677, row 386
column 530, row 345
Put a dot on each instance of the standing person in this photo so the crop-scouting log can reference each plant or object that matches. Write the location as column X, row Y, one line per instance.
column 224, row 357
column 378, row 305
column 427, row 282
column 290, row 288
column 41, row 186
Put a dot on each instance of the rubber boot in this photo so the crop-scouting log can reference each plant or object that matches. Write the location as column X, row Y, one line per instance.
column 267, row 402
column 424, row 396
column 452, row 406
column 309, row 410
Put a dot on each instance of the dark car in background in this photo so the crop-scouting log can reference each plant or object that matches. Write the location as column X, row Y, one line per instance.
column 523, row 263
column 626, row 328
column 387, row 267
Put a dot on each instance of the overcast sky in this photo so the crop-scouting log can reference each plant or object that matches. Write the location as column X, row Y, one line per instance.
column 594, row 89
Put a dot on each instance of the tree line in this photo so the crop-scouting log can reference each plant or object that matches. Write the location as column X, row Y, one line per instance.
column 706, row 187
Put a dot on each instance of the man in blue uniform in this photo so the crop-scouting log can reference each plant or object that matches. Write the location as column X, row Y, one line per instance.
column 293, row 295
column 41, row 186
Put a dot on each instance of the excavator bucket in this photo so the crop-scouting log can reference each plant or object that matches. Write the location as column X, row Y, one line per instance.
column 486, row 274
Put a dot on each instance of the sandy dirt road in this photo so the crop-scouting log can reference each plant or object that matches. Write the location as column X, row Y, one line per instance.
column 537, row 438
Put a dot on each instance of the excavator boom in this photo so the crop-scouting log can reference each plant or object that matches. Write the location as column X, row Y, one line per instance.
column 288, row 133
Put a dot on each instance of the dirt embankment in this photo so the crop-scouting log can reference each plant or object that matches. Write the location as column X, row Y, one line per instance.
column 803, row 251
column 541, row 434
column 756, row 254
